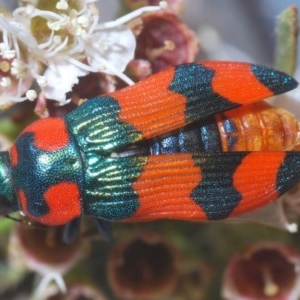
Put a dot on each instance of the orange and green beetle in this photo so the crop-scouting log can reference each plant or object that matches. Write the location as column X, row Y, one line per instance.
column 132, row 156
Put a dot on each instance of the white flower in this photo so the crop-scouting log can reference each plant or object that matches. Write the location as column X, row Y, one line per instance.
column 110, row 50
column 63, row 44
column 60, row 72
column 14, row 81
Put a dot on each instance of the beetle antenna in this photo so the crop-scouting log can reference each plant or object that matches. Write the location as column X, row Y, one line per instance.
column 22, row 221
column 26, row 222
column 13, row 218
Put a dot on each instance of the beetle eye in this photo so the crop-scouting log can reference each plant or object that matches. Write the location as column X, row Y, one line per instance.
column 5, row 206
column 70, row 161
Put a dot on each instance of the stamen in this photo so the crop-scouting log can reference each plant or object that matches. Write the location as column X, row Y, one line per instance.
column 35, row 12
column 57, row 39
column 16, row 47
column 93, row 8
column 127, row 18
column 20, row 83
column 270, row 287
column 62, row 5
column 5, row 82
column 84, row 35
column 83, row 21
column 117, row 73
column 49, row 42
column 5, row 44
column 80, row 65
column 2, row 47
column 42, row 81
column 163, row 4
column 16, row 99
column 31, row 95
column 57, row 25
column 9, row 54
column 27, row 10
column 78, row 47
column 71, row 39
column 17, row 68
column 61, row 46
column 157, row 52
column 94, row 23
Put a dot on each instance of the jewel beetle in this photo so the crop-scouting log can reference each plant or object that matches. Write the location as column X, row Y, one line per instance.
column 131, row 155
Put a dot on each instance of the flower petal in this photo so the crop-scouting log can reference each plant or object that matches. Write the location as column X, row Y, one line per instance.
column 115, row 46
column 61, row 76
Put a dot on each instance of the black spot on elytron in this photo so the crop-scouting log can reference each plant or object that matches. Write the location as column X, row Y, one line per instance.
column 278, row 82
column 25, row 172
column 194, row 82
column 216, row 194
column 289, row 172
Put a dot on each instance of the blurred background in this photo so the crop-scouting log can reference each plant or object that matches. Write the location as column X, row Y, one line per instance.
column 195, row 255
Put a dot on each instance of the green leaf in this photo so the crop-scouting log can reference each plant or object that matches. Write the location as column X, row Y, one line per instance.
column 287, row 40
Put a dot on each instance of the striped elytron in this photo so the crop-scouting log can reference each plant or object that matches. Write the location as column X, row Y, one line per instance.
column 119, row 157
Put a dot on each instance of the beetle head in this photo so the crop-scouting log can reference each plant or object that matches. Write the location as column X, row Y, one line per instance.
column 8, row 199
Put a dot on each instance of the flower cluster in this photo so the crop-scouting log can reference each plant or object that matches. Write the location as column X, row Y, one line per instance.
column 263, row 270
column 53, row 43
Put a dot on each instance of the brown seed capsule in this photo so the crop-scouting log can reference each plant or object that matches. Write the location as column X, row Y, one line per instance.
column 263, row 271
column 42, row 249
column 175, row 44
column 143, row 268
